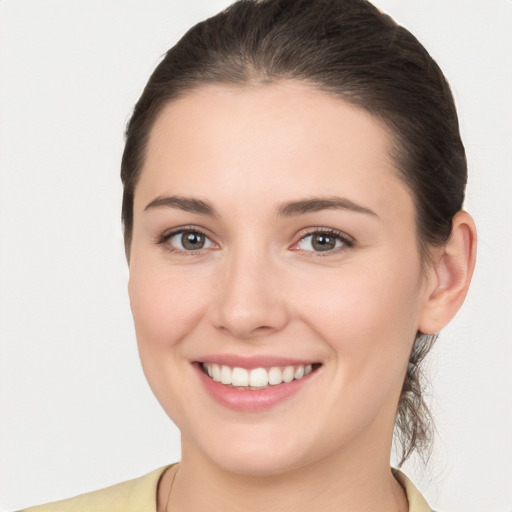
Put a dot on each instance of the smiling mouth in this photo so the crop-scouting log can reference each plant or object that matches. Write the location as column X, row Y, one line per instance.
column 256, row 378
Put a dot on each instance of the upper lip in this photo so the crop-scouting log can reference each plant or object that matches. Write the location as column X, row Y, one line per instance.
column 250, row 362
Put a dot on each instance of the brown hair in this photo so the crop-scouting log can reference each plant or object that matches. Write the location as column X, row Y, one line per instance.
column 350, row 49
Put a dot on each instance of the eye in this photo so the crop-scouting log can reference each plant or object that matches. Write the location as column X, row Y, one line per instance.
column 323, row 241
column 187, row 240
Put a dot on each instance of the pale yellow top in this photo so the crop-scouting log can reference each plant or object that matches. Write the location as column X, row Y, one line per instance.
column 139, row 495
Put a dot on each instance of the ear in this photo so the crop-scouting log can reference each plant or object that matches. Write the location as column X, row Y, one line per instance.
column 450, row 275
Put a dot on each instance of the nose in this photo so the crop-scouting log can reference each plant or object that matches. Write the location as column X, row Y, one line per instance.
column 251, row 300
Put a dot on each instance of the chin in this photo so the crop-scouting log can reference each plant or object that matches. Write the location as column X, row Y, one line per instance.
column 258, row 464
column 260, row 454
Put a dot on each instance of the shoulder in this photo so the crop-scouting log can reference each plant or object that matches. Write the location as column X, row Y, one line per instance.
column 417, row 502
column 137, row 495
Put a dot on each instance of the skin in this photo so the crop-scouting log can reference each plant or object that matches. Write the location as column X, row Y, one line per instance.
column 258, row 287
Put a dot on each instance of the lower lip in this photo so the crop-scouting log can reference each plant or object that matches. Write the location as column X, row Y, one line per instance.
column 248, row 400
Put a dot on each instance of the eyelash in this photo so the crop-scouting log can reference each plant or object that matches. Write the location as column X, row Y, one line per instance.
column 346, row 241
column 168, row 235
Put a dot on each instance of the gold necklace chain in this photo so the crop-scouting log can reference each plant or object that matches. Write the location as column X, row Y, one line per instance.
column 170, row 490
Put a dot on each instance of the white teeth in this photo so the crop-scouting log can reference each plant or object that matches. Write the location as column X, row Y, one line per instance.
column 288, row 374
column 215, row 372
column 257, row 377
column 240, row 377
column 299, row 372
column 275, row 376
column 225, row 374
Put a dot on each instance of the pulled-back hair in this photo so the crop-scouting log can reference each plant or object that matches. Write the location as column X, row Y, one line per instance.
column 350, row 49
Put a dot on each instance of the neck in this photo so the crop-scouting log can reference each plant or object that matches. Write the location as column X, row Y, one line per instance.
column 338, row 482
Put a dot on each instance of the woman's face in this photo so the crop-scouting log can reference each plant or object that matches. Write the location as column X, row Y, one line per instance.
column 274, row 241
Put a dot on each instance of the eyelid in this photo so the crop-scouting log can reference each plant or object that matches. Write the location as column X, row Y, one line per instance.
column 163, row 238
column 347, row 240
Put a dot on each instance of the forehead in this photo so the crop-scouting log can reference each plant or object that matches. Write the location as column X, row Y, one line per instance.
column 286, row 138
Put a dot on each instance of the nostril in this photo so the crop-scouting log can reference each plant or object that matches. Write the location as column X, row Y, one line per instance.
column 243, row 330
column 263, row 329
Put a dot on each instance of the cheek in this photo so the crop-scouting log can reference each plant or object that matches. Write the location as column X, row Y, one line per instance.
column 368, row 316
column 166, row 305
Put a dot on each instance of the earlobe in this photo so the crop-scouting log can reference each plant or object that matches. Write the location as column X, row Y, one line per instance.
column 450, row 275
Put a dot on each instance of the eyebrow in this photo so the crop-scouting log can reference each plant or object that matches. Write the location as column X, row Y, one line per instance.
column 316, row 204
column 287, row 209
column 187, row 204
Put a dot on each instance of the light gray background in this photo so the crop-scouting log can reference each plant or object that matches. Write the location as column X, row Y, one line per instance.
column 75, row 411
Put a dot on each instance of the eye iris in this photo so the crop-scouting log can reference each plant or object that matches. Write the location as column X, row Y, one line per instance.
column 323, row 242
column 192, row 241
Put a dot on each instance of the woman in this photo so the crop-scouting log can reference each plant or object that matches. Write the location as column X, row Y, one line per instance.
column 293, row 187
